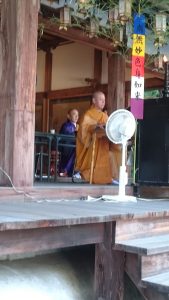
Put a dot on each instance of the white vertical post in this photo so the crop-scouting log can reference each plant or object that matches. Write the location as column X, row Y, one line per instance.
column 123, row 173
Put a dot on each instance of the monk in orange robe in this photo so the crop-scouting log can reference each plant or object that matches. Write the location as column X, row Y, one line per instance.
column 97, row 159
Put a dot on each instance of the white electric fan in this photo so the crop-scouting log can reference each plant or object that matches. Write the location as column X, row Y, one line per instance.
column 120, row 127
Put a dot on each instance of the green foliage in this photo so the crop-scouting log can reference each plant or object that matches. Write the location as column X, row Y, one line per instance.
column 83, row 13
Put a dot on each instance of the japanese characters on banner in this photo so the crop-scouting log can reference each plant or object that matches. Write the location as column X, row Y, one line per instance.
column 137, row 75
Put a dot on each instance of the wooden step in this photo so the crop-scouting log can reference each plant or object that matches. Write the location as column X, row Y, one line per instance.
column 154, row 264
column 140, row 227
column 145, row 245
column 160, row 282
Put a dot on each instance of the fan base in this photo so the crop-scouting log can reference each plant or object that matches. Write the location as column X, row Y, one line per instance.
column 119, row 198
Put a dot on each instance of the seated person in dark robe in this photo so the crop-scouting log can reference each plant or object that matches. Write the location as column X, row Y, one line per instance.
column 67, row 153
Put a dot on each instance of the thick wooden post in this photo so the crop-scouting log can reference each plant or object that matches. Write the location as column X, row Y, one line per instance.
column 109, row 268
column 18, row 54
column 97, row 66
column 116, row 82
column 48, row 82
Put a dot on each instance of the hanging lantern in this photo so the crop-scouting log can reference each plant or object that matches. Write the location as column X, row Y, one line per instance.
column 118, row 37
column 94, row 28
column 84, row 5
column 113, row 15
column 160, row 23
column 159, row 41
column 165, row 58
column 159, row 61
column 124, row 10
column 65, row 17
column 83, row 1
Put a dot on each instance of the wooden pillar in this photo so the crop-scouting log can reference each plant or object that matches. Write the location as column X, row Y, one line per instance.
column 48, row 82
column 18, row 54
column 116, row 82
column 97, row 66
column 109, row 268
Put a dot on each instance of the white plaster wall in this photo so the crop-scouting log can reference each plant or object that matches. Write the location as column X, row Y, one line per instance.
column 40, row 81
column 72, row 63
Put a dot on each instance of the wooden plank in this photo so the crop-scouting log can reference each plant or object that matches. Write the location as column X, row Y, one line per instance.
column 143, row 227
column 153, row 294
column 37, row 212
column 145, row 245
column 34, row 241
column 159, row 282
column 154, row 264
column 154, row 191
column 109, row 268
column 133, row 269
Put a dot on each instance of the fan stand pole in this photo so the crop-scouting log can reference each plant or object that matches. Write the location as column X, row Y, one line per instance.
column 123, row 177
column 123, row 174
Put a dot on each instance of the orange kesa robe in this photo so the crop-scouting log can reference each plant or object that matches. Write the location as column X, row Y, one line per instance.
column 93, row 149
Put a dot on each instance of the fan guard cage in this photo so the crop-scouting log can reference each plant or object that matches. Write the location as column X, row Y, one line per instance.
column 120, row 126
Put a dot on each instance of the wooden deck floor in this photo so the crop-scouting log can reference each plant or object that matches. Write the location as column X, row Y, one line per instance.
column 52, row 213
column 35, row 222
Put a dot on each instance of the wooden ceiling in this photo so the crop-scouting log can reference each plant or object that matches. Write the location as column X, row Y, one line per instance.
column 53, row 37
column 46, row 40
column 49, row 41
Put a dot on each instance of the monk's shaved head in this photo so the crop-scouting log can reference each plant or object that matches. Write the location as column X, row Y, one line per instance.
column 99, row 100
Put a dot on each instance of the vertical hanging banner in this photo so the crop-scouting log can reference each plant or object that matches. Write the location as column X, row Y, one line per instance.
column 137, row 74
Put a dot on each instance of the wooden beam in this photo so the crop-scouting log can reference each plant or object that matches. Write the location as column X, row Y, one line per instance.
column 40, row 96
column 34, row 241
column 76, row 35
column 109, row 268
column 150, row 83
column 116, row 82
column 71, row 93
column 18, row 40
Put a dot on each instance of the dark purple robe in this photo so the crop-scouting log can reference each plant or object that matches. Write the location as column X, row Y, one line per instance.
column 67, row 154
